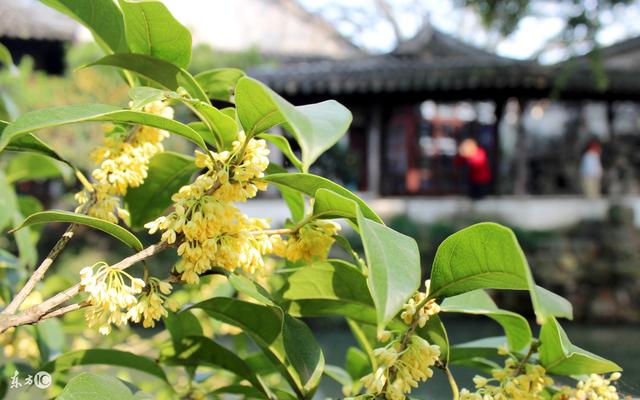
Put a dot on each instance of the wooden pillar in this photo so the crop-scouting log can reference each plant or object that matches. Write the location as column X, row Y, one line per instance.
column 500, row 105
column 521, row 164
column 610, row 118
column 374, row 150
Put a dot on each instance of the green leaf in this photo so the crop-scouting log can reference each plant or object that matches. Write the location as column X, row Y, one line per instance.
column 74, row 114
column 559, row 356
column 168, row 172
column 357, row 363
column 102, row 17
column 10, row 214
column 303, row 352
column 33, row 167
column 316, row 127
column 394, row 267
column 309, row 184
column 220, row 83
column 329, row 204
column 143, row 95
column 159, row 71
column 339, row 375
column 478, row 302
column 181, row 325
column 114, row 230
column 8, row 260
column 332, row 288
column 488, row 256
column 250, row 288
column 293, row 198
column 29, row 204
column 50, row 337
column 367, row 338
column 94, row 387
column 199, row 350
column 547, row 303
column 204, row 131
column 25, row 242
column 104, row 357
column 152, row 30
column 5, row 57
column 31, row 144
column 481, row 348
column 8, row 202
column 295, row 202
column 283, row 144
column 224, row 127
column 249, row 392
column 264, row 324
column 484, row 255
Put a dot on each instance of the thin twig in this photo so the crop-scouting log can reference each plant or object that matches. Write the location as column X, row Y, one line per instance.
column 521, row 366
column 42, row 269
column 455, row 391
column 64, row 310
column 36, row 313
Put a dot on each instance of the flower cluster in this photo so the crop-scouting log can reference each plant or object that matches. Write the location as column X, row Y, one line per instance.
column 595, row 387
column 150, row 306
column 312, row 241
column 515, row 381
column 236, row 173
column 410, row 309
column 123, row 163
column 400, row 369
column 518, row 380
column 110, row 297
column 19, row 343
column 213, row 232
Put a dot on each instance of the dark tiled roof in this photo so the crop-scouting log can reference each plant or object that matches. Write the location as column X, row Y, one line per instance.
column 436, row 62
column 382, row 74
column 30, row 19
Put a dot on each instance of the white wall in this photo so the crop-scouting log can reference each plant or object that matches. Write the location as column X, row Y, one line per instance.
column 539, row 212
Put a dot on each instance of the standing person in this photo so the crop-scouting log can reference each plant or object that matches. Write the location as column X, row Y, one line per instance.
column 591, row 170
column 476, row 159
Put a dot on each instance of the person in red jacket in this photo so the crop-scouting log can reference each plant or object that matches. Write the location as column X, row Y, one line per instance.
column 477, row 162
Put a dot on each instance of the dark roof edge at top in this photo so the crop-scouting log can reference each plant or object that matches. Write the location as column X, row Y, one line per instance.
column 429, row 39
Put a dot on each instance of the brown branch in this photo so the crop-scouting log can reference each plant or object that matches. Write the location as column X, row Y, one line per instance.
column 64, row 310
column 42, row 269
column 49, row 308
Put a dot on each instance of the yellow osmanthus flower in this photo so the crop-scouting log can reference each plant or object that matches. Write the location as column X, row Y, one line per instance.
column 150, row 307
column 399, row 371
column 311, row 241
column 237, row 172
column 123, row 163
column 214, row 232
column 110, row 297
column 595, row 387
column 424, row 313
column 514, row 381
column 19, row 343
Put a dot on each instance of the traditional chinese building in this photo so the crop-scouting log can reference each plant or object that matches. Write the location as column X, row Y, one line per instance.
column 414, row 105
column 29, row 28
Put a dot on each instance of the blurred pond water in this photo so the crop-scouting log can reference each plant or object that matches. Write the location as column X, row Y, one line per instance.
column 619, row 343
